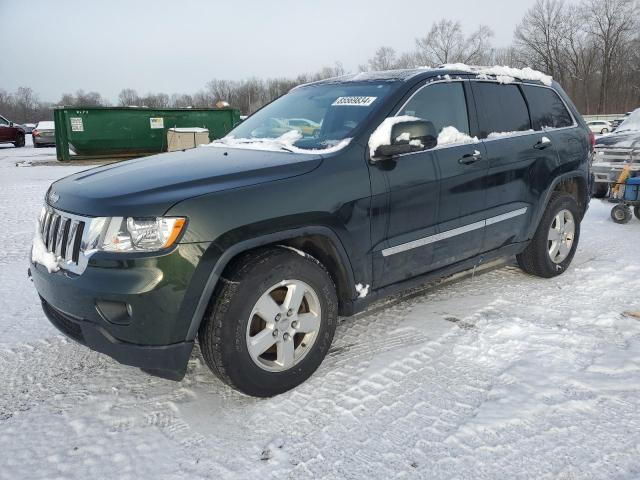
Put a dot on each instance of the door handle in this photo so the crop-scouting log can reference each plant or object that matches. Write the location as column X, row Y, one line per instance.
column 470, row 158
column 543, row 143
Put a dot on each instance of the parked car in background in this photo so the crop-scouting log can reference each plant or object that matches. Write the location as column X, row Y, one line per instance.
column 28, row 127
column 599, row 126
column 616, row 151
column 44, row 134
column 11, row 132
column 254, row 245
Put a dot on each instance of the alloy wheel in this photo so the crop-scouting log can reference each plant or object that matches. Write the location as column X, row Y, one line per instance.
column 283, row 325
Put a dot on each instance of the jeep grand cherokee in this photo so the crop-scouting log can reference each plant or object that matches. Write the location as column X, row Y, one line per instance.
column 255, row 244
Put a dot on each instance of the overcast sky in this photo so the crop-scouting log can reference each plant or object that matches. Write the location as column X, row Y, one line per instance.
column 58, row 46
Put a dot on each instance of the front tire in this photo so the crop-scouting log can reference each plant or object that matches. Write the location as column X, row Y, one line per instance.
column 271, row 321
column 554, row 244
column 636, row 211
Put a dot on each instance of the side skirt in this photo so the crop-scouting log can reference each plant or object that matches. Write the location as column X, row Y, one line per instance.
column 360, row 304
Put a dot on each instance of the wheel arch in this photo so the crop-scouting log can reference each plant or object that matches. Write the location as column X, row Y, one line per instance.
column 573, row 183
column 319, row 242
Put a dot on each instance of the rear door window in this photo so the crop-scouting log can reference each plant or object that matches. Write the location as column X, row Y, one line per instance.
column 547, row 110
column 443, row 104
column 502, row 108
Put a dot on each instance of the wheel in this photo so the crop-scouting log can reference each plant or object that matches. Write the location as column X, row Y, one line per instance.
column 554, row 244
column 600, row 190
column 604, row 130
column 19, row 143
column 621, row 213
column 636, row 211
column 270, row 322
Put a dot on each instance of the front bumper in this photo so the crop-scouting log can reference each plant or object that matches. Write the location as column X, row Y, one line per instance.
column 169, row 361
column 136, row 310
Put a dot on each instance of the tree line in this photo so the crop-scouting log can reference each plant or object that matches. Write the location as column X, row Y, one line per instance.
column 592, row 47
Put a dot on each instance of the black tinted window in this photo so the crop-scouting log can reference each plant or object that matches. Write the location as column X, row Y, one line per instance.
column 443, row 104
column 547, row 110
column 501, row 108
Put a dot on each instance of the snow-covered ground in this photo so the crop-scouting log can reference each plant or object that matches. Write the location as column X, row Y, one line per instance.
column 501, row 375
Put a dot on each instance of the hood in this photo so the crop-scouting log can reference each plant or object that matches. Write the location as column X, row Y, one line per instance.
column 149, row 186
column 624, row 139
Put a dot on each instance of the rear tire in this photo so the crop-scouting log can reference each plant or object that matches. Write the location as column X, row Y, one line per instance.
column 621, row 214
column 600, row 190
column 636, row 211
column 250, row 311
column 604, row 130
column 542, row 257
column 19, row 143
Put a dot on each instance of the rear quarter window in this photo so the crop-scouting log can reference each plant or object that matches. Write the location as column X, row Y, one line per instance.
column 501, row 108
column 547, row 109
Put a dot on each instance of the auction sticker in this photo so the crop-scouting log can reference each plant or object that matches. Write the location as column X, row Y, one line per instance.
column 355, row 101
column 76, row 124
column 156, row 122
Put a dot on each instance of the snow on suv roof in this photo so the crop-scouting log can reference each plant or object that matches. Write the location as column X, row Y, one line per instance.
column 502, row 74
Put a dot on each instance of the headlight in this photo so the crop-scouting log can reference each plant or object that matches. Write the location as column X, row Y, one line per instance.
column 133, row 234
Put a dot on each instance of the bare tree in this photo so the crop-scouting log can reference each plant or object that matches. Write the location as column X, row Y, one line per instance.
column 128, row 97
column 26, row 102
column 446, row 43
column 612, row 24
column 383, row 59
column 540, row 36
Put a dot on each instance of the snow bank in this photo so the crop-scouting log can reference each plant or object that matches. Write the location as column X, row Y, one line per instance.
column 284, row 142
column 39, row 254
column 453, row 135
column 382, row 134
column 503, row 74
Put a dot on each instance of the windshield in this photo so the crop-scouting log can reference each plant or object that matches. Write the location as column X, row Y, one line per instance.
column 631, row 123
column 314, row 117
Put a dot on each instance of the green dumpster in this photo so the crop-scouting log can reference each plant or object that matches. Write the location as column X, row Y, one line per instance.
column 121, row 132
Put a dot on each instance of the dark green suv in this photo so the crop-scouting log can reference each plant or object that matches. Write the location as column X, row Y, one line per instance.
column 256, row 243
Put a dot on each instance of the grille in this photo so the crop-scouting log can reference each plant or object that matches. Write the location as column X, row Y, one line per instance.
column 618, row 155
column 62, row 235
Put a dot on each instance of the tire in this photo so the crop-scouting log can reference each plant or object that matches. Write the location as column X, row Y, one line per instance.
column 600, row 190
column 225, row 333
column 537, row 259
column 604, row 130
column 36, row 145
column 636, row 211
column 621, row 214
column 19, row 143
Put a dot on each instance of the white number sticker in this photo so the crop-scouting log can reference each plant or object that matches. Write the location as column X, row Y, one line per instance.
column 156, row 122
column 356, row 101
column 76, row 124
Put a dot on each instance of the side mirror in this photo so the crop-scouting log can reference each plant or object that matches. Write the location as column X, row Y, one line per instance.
column 406, row 137
column 11, row 124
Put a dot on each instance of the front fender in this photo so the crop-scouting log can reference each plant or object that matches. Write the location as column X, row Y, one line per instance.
column 220, row 260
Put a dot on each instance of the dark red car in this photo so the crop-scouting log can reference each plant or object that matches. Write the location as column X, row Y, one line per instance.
column 11, row 132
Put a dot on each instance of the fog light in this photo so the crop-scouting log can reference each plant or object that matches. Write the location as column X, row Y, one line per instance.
column 118, row 313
